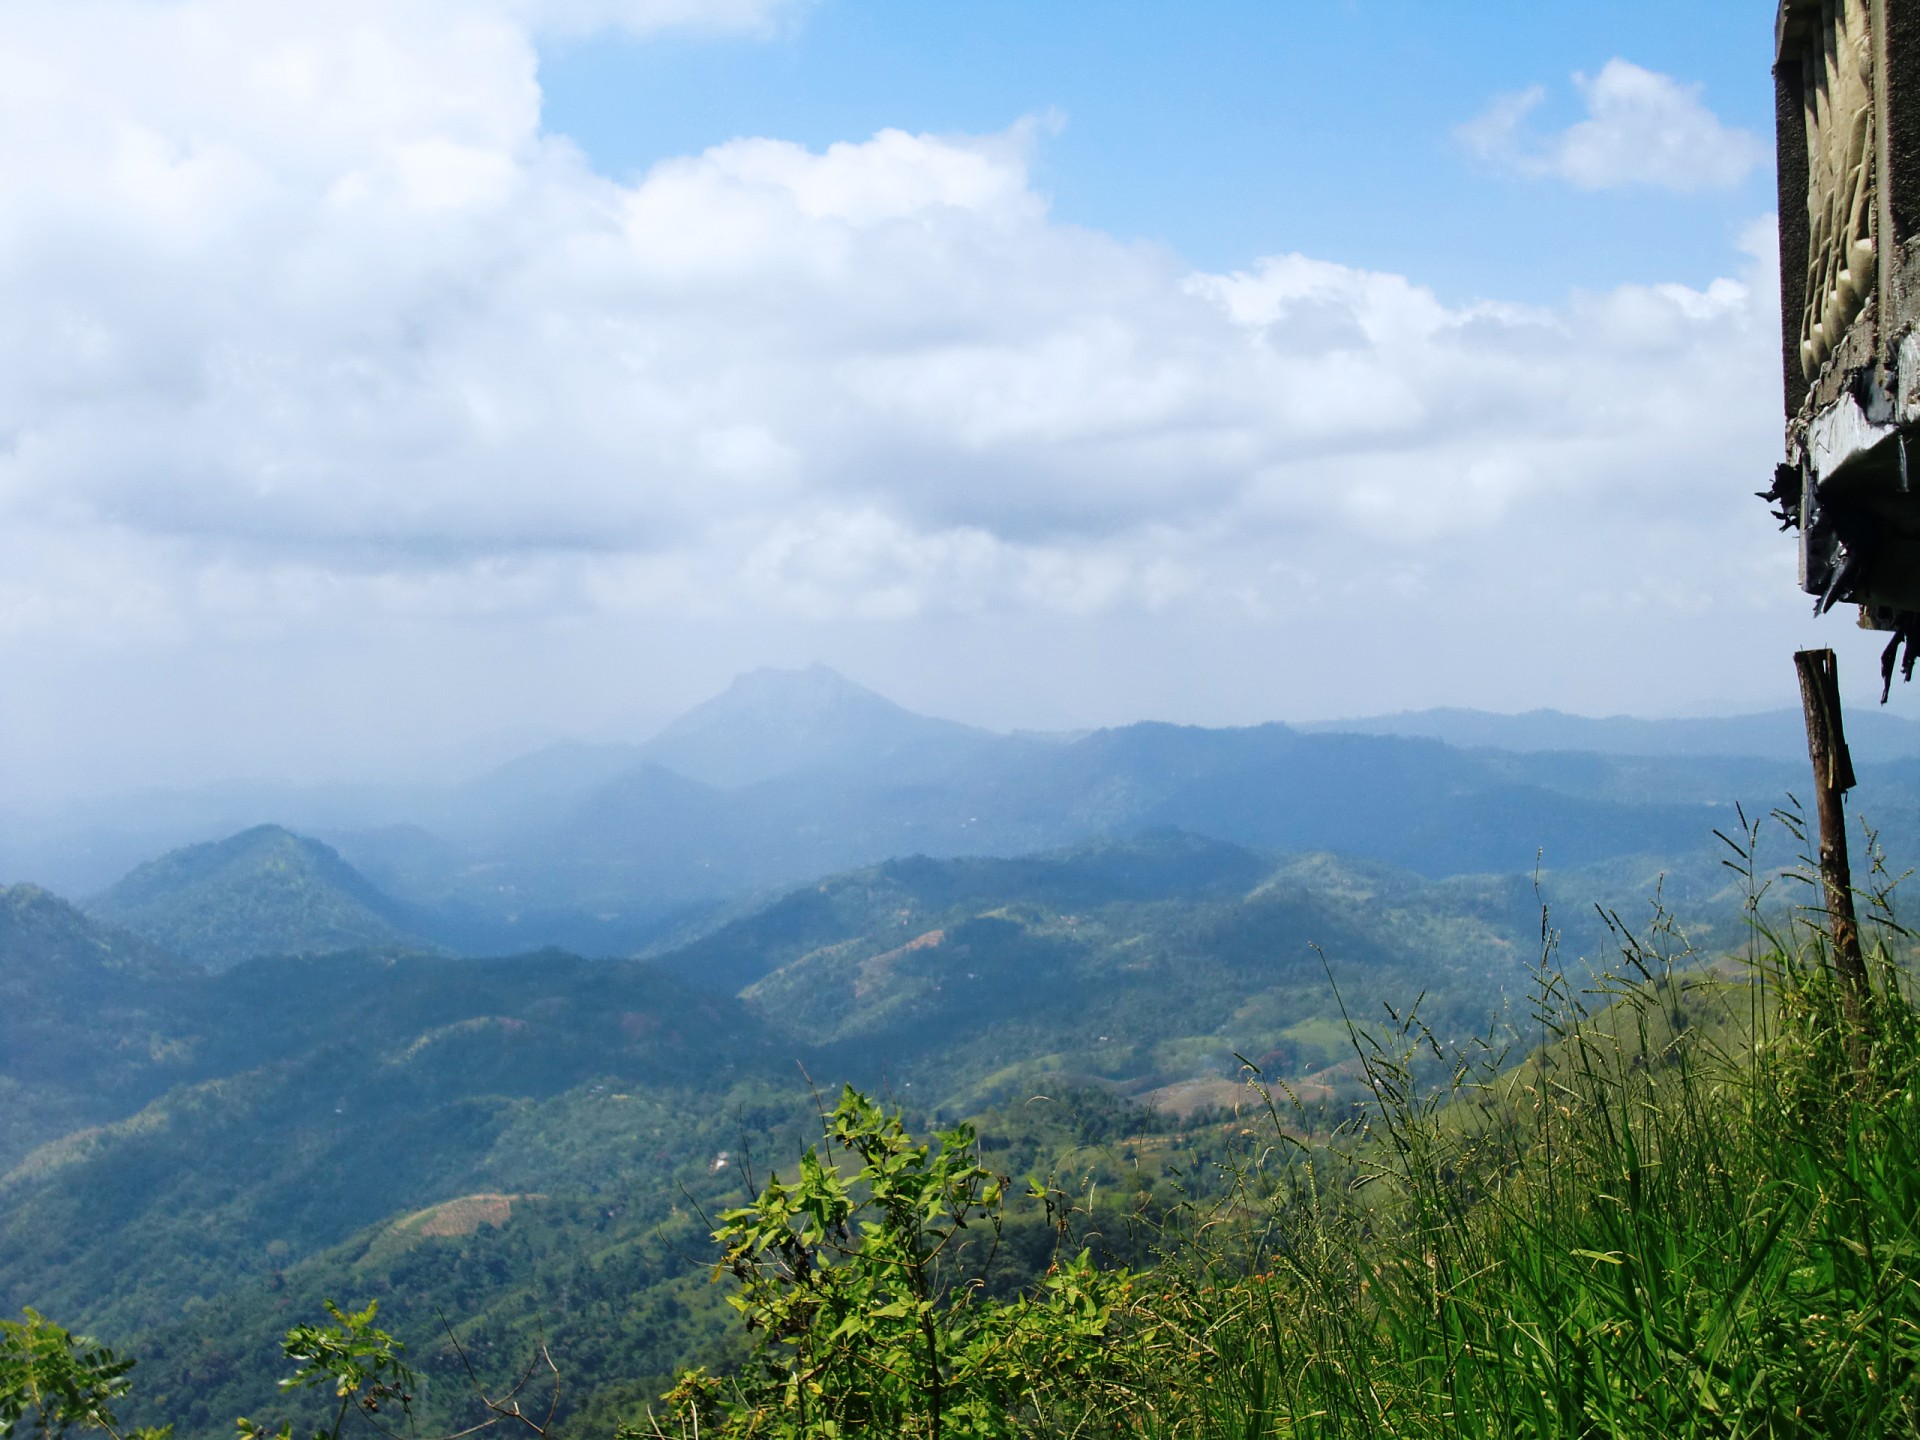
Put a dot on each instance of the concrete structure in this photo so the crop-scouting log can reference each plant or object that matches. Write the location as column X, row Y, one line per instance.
column 1847, row 119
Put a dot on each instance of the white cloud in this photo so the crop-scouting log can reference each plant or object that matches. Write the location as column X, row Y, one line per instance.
column 1642, row 128
column 647, row 17
column 316, row 342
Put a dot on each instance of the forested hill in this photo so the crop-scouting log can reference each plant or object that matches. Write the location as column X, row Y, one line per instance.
column 273, row 1109
column 262, row 1084
column 92, row 1020
column 265, row 891
column 1148, row 964
column 235, row 1128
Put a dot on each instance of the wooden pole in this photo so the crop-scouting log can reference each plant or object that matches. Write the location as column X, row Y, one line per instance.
column 1832, row 778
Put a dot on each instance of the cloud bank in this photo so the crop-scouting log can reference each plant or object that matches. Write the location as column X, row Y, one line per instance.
column 1642, row 129
column 313, row 331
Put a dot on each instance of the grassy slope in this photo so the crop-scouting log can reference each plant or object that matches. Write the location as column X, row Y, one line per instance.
column 1679, row 1218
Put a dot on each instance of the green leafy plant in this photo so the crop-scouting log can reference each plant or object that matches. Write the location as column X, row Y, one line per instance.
column 861, row 1282
column 359, row 1361
column 362, row 1365
column 53, row 1381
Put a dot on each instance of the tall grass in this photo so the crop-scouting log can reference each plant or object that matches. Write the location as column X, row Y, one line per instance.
column 1693, row 1211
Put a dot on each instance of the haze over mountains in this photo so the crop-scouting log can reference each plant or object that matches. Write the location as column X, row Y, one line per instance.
column 770, row 723
column 1779, row 735
column 265, row 891
column 616, row 847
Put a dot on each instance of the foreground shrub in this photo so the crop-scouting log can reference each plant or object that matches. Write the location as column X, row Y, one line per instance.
column 52, row 1381
column 862, row 1281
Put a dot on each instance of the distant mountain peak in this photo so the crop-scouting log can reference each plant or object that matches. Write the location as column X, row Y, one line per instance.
column 770, row 722
column 810, row 693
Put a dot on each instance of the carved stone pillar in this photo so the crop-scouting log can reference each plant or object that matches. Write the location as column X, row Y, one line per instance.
column 1847, row 117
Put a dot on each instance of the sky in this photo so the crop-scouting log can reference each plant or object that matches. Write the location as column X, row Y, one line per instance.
column 385, row 381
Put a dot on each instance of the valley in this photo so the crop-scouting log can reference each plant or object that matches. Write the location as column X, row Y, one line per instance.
column 272, row 1067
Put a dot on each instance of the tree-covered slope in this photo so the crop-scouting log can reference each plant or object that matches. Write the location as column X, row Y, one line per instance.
column 578, row 1227
column 529, row 1142
column 333, row 1091
column 1143, row 964
column 91, row 1020
column 265, row 891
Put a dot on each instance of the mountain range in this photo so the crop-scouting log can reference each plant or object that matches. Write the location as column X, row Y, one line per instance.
column 282, row 1062
column 1872, row 735
column 187, row 1150
column 625, row 848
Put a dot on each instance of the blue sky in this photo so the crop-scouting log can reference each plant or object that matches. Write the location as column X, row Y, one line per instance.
column 1225, row 131
column 384, row 375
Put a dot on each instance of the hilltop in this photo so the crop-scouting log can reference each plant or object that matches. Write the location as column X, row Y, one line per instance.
column 264, row 891
column 769, row 723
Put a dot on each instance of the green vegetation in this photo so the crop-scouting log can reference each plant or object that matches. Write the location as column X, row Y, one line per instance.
column 260, row 1118
column 1693, row 1212
column 1137, row 965
column 54, row 1382
column 92, row 1021
column 1682, row 1202
column 335, row 1094
column 867, row 1288
column 528, row 1144
column 265, row 891
column 358, row 1361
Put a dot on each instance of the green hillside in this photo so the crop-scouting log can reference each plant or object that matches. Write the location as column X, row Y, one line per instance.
column 93, row 1021
column 570, row 1219
column 265, row 891
column 1148, row 966
column 612, row 1271
column 1690, row 1214
column 538, row 1147
column 313, row 1115
column 340, row 1090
